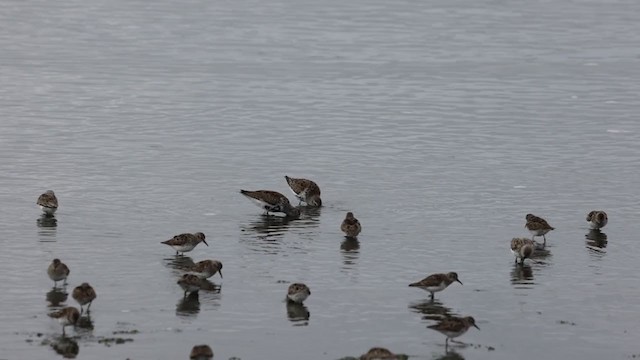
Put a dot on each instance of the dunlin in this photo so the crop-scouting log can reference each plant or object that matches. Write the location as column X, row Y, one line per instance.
column 537, row 226
column 597, row 219
column 185, row 242
column 189, row 283
column 305, row 190
column 58, row 271
column 453, row 327
column 522, row 248
column 272, row 202
column 350, row 226
column 298, row 292
column 206, row 268
column 436, row 282
column 66, row 316
column 378, row 353
column 84, row 294
column 48, row 202
column 201, row 352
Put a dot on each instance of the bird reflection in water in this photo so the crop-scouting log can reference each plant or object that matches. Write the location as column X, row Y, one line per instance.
column 350, row 252
column 266, row 233
column 47, row 225
column 522, row 274
column 65, row 346
column 178, row 262
column 431, row 309
column 57, row 296
column 450, row 355
column 188, row 305
column 596, row 241
column 298, row 313
column 85, row 322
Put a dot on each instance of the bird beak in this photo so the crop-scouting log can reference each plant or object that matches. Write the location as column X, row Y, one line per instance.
column 476, row 326
column 220, row 272
column 205, row 242
column 460, row 282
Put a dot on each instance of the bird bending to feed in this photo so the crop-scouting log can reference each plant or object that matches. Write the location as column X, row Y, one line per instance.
column 48, row 202
column 597, row 219
column 522, row 248
column 436, row 282
column 305, row 190
column 201, row 352
column 66, row 316
column 189, row 283
column 452, row 327
column 84, row 294
column 378, row 353
column 207, row 268
column 537, row 226
column 58, row 271
column 272, row 202
column 298, row 292
column 185, row 242
column 351, row 226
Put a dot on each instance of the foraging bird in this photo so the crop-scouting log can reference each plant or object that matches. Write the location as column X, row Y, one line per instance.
column 597, row 219
column 207, row 268
column 66, row 316
column 378, row 353
column 272, row 202
column 305, row 190
column 350, row 226
column 522, row 248
column 48, row 202
column 537, row 226
column 201, row 352
column 436, row 282
column 298, row 292
column 452, row 327
column 185, row 242
column 189, row 283
column 58, row 271
column 84, row 294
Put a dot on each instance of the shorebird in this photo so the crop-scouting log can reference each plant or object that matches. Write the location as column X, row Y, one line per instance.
column 189, row 283
column 84, row 294
column 522, row 248
column 305, row 190
column 201, row 352
column 66, row 316
column 206, row 268
column 351, row 226
column 378, row 353
column 58, row 271
column 298, row 292
column 48, row 202
column 272, row 202
column 537, row 226
column 185, row 242
column 436, row 282
column 453, row 327
column 597, row 219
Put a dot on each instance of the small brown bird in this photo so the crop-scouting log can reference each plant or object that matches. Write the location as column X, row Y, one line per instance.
column 272, row 202
column 537, row 226
column 305, row 190
column 185, row 242
column 189, row 283
column 84, row 294
column 522, row 248
column 48, row 202
column 58, row 271
column 207, row 268
column 351, row 226
column 378, row 353
column 436, row 282
column 597, row 219
column 66, row 316
column 298, row 292
column 452, row 327
column 201, row 352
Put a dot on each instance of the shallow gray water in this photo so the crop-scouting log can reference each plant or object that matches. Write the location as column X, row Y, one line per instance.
column 439, row 124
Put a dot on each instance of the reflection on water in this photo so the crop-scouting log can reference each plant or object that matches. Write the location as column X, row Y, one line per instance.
column 85, row 322
column 349, row 250
column 522, row 274
column 47, row 226
column 179, row 262
column 431, row 309
column 298, row 313
column 449, row 355
column 66, row 347
column 57, row 296
column 265, row 234
column 596, row 242
column 188, row 306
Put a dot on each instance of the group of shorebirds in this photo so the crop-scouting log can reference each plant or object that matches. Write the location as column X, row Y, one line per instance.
column 275, row 203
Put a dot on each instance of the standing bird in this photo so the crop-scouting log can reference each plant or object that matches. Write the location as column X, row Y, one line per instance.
column 58, row 271
column 272, row 202
column 378, row 353
column 305, row 190
column 298, row 292
column 48, row 202
column 66, row 316
column 189, row 283
column 597, row 219
column 206, row 268
column 84, row 294
column 185, row 242
column 522, row 248
column 351, row 226
column 436, row 282
column 201, row 352
column 452, row 327
column 538, row 227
